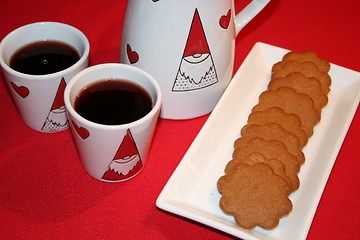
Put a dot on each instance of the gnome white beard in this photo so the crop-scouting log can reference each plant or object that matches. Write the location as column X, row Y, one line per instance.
column 195, row 75
column 56, row 120
column 124, row 167
column 196, row 71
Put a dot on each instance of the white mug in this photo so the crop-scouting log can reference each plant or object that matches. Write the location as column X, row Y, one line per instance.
column 187, row 46
column 39, row 98
column 112, row 153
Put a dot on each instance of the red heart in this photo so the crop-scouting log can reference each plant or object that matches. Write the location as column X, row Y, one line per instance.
column 132, row 55
column 155, row 0
column 83, row 132
column 22, row 91
column 225, row 20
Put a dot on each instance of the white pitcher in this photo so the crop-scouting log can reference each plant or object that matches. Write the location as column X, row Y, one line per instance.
column 188, row 46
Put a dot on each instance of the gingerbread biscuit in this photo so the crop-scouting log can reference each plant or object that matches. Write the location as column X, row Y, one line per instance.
column 305, row 56
column 301, row 84
column 289, row 121
column 291, row 102
column 241, row 142
column 276, row 165
column 255, row 196
column 273, row 131
column 272, row 150
column 308, row 69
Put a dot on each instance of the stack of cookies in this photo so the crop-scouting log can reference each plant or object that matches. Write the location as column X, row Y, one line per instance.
column 267, row 157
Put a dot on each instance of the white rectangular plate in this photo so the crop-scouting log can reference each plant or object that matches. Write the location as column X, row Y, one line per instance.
column 192, row 192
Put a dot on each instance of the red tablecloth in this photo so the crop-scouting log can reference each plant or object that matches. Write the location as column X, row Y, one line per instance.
column 46, row 194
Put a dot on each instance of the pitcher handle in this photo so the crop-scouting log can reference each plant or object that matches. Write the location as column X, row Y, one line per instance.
column 248, row 13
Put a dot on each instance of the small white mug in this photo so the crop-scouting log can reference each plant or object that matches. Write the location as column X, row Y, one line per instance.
column 112, row 153
column 39, row 98
column 188, row 46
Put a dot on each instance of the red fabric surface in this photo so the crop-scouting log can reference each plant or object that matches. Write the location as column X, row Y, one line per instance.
column 46, row 194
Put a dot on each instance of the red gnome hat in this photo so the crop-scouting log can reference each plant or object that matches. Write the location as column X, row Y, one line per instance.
column 196, row 42
column 127, row 147
column 59, row 98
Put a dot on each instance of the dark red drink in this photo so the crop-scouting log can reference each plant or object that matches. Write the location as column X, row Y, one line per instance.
column 44, row 57
column 113, row 102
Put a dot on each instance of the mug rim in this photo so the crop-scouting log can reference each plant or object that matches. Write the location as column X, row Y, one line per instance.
column 83, row 58
column 120, row 66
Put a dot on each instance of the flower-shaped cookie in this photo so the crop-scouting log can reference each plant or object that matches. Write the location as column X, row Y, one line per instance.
column 255, row 196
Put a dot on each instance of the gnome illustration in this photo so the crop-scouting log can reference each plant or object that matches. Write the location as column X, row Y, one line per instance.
column 197, row 68
column 56, row 119
column 127, row 161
